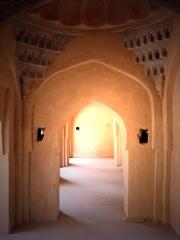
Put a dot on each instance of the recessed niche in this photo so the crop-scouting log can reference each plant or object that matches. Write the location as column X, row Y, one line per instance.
column 40, row 134
column 77, row 128
column 143, row 136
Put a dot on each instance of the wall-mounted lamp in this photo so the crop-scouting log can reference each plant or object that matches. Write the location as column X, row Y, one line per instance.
column 143, row 136
column 40, row 134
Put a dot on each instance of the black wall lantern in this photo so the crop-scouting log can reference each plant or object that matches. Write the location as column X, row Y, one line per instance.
column 143, row 136
column 40, row 134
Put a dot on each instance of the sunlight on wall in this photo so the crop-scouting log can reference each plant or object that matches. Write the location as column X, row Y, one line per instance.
column 93, row 132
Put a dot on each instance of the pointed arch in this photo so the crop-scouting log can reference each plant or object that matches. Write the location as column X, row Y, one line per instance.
column 115, row 69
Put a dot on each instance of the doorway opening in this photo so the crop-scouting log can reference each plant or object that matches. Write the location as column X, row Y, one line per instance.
column 92, row 156
column 96, row 131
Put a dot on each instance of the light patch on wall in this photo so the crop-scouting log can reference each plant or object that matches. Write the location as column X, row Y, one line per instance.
column 93, row 132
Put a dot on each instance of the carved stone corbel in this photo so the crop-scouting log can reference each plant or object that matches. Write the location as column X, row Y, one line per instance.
column 149, row 45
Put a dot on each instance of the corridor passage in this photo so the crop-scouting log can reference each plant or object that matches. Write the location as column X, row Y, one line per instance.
column 91, row 208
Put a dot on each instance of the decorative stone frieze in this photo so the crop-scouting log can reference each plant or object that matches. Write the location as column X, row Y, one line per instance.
column 30, row 56
column 150, row 49
column 35, row 48
column 34, row 36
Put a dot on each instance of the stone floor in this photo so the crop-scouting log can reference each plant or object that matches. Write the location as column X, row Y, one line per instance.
column 91, row 200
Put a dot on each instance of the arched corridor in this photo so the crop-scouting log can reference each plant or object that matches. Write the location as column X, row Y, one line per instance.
column 97, row 83
column 94, row 131
column 60, row 109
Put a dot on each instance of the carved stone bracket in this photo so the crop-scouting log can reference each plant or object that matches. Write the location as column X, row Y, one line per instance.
column 150, row 49
column 35, row 48
column 35, row 36
column 30, row 56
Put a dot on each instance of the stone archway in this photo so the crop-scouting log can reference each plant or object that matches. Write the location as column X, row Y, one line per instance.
column 114, row 69
column 117, row 132
column 60, row 98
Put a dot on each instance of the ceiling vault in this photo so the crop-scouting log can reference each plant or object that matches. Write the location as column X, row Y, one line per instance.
column 42, row 31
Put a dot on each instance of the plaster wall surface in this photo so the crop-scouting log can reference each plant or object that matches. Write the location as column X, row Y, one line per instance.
column 9, row 95
column 2, row 116
column 119, row 142
column 171, row 131
column 4, row 194
column 141, row 167
column 1, row 144
column 95, row 135
column 104, row 46
column 4, row 168
column 66, row 143
column 175, row 164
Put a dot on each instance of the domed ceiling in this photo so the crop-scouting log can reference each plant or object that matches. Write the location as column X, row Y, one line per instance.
column 95, row 13
column 86, row 13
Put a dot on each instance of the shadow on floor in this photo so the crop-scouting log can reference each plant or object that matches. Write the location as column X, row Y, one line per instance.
column 63, row 219
column 64, row 181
